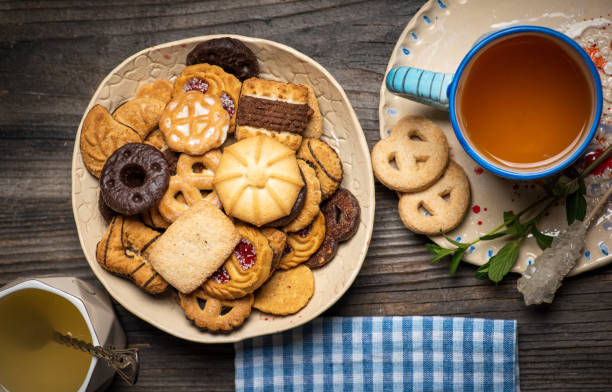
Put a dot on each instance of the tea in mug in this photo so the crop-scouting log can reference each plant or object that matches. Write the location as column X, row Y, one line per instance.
column 525, row 101
column 50, row 366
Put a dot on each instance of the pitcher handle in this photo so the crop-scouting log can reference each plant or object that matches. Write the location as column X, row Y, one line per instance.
column 420, row 85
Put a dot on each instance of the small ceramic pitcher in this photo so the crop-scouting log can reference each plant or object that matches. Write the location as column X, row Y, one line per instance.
column 97, row 311
column 440, row 90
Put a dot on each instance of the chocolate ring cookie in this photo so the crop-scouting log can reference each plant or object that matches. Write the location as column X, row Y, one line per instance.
column 327, row 163
column 214, row 314
column 134, row 178
column 107, row 213
column 342, row 217
column 228, row 53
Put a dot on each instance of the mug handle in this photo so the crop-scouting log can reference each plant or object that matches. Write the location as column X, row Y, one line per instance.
column 420, row 85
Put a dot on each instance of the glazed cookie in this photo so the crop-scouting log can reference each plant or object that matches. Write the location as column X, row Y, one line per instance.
column 303, row 244
column 160, row 89
column 213, row 314
column 211, row 79
column 194, row 247
column 445, row 202
column 314, row 128
column 134, row 178
column 228, row 53
column 194, row 176
column 277, row 240
column 121, row 249
column 310, row 210
column 258, row 180
column 140, row 114
column 286, row 292
column 245, row 270
column 194, row 123
column 326, row 162
column 420, row 152
column 275, row 109
column 342, row 216
column 101, row 135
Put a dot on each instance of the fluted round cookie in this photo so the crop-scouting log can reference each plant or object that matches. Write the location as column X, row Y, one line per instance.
column 258, row 180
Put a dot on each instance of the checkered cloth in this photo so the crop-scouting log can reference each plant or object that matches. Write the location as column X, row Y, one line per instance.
column 383, row 354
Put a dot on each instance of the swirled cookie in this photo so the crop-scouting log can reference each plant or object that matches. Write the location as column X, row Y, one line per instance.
column 303, row 244
column 121, row 251
column 194, row 123
column 311, row 209
column 214, row 314
column 258, row 180
column 277, row 240
column 211, row 79
column 245, row 270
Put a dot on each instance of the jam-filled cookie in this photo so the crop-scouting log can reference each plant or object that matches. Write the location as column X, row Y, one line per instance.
column 194, row 123
column 214, row 314
column 303, row 244
column 245, row 270
column 121, row 251
column 134, row 178
column 311, row 209
column 211, row 79
column 327, row 164
column 228, row 53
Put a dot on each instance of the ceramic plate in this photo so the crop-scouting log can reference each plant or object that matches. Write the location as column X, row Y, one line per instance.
column 341, row 130
column 437, row 38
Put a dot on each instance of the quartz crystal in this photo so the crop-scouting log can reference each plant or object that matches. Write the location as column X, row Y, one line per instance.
column 541, row 279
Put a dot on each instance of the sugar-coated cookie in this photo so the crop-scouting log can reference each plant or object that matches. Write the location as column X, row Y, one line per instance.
column 342, row 216
column 420, row 152
column 160, row 89
column 314, row 128
column 228, row 53
column 445, row 203
column 140, row 114
column 326, row 162
column 286, row 292
column 194, row 246
column 214, row 314
column 258, row 180
column 245, row 270
column 101, row 135
column 121, row 251
column 302, row 245
column 134, row 178
column 311, row 209
column 194, row 123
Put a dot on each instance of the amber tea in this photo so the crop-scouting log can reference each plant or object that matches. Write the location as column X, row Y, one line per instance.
column 525, row 101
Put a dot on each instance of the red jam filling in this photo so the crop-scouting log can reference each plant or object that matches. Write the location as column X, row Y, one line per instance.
column 221, row 275
column 228, row 104
column 196, row 84
column 245, row 254
column 305, row 231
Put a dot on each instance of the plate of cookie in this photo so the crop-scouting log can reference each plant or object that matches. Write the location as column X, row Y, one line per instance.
column 222, row 187
column 470, row 199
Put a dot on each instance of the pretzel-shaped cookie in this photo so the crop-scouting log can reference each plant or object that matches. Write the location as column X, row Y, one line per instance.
column 446, row 202
column 214, row 314
column 194, row 174
column 420, row 151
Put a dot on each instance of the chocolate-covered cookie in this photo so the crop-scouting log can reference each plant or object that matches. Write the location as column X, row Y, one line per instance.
column 342, row 216
column 228, row 53
column 295, row 211
column 106, row 212
column 134, row 178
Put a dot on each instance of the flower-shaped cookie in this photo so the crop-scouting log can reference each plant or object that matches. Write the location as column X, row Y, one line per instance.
column 258, row 180
column 194, row 123
column 245, row 270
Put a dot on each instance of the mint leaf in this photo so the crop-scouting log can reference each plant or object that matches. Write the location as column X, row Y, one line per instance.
column 482, row 272
column 508, row 216
column 544, row 241
column 452, row 241
column 571, row 206
column 581, row 207
column 493, row 236
column 502, row 261
column 438, row 252
column 455, row 261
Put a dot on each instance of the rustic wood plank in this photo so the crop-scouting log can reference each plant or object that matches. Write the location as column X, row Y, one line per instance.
column 54, row 54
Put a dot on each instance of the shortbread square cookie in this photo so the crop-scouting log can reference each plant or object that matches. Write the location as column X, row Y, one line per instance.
column 194, row 246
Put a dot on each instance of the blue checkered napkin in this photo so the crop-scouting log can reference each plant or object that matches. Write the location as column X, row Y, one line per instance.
column 383, row 354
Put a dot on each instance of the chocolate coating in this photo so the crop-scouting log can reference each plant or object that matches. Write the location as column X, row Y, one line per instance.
column 134, row 178
column 295, row 211
column 106, row 212
column 228, row 53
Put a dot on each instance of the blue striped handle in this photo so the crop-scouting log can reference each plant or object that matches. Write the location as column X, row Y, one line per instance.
column 420, row 85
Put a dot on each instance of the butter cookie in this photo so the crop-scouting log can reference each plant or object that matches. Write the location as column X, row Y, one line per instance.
column 140, row 114
column 326, row 162
column 160, row 89
column 311, row 209
column 303, row 244
column 214, row 314
column 287, row 292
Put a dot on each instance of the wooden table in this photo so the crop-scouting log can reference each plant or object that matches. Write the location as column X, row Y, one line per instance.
column 54, row 54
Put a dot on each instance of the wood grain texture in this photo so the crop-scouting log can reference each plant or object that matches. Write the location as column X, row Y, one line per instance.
column 54, row 54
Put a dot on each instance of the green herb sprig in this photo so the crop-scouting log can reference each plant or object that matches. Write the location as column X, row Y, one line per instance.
column 571, row 190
